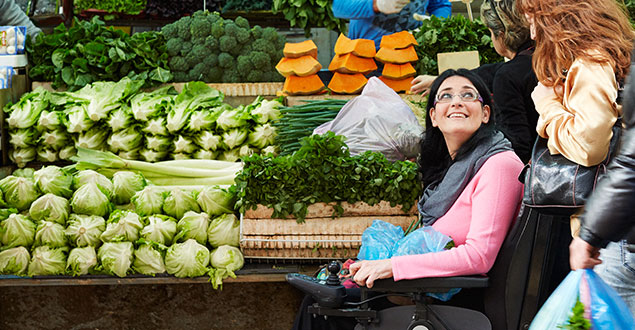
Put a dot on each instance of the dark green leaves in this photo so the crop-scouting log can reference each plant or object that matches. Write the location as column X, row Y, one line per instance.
column 306, row 14
column 576, row 320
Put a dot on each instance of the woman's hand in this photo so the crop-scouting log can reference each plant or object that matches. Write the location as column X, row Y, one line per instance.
column 421, row 84
column 365, row 272
column 583, row 255
column 541, row 91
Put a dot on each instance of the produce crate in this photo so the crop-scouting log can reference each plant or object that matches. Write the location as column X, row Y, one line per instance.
column 320, row 237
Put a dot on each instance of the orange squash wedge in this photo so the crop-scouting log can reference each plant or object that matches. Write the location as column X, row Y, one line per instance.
column 398, row 85
column 342, row 83
column 299, row 49
column 294, row 85
column 396, row 56
column 301, row 66
column 350, row 64
column 398, row 40
column 398, row 71
column 359, row 47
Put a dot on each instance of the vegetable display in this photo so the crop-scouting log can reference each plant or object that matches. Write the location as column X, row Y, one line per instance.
column 246, row 5
column 133, row 7
column 208, row 48
column 315, row 173
column 307, row 14
column 177, row 9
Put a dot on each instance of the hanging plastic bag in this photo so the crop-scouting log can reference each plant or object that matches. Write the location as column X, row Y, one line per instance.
column 378, row 240
column 377, row 120
column 603, row 308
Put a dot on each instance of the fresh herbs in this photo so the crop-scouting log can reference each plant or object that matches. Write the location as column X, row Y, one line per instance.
column 577, row 321
column 452, row 34
column 322, row 170
column 307, row 14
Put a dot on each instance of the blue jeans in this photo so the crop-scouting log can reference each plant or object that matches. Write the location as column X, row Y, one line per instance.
column 618, row 270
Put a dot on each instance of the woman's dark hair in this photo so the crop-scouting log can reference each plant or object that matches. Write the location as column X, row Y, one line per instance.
column 502, row 16
column 434, row 159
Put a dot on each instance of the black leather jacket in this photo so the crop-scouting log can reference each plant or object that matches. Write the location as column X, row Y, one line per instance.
column 610, row 212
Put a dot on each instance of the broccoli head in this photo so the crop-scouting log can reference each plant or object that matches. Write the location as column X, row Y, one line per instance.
column 225, row 60
column 242, row 22
column 174, row 46
column 256, row 32
column 186, row 47
column 196, row 55
column 200, row 14
column 178, row 64
column 183, row 28
column 254, row 76
column 180, row 76
column 237, row 50
column 270, row 34
column 213, row 17
column 200, row 27
column 230, row 75
column 272, row 76
column 211, row 60
column 170, row 31
column 227, row 43
column 198, row 72
column 242, row 35
column 262, row 45
column 260, row 59
column 244, row 65
column 214, row 74
column 231, row 29
column 197, row 41
column 211, row 43
column 217, row 29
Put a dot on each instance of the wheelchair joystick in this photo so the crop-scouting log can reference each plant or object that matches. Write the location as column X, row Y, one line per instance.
column 334, row 269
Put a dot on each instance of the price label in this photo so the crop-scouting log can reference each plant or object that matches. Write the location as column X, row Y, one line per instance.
column 3, row 38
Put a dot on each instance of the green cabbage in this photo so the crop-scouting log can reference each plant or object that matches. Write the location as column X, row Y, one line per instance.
column 22, row 156
column 246, row 150
column 90, row 199
column 125, row 140
column 17, row 230
column 149, row 201
column 193, row 226
column 50, row 233
column 76, row 119
column 204, row 154
column 122, row 226
column 156, row 126
column 81, row 261
column 48, row 121
column 184, row 145
column 159, row 228
column 216, row 201
column 55, row 140
column 148, row 105
column 226, row 260
column 116, row 257
column 201, row 120
column 158, row 143
column 48, row 261
column 54, row 180
column 178, row 202
column 126, row 184
column 106, row 96
column 5, row 213
column 67, row 152
column 94, row 138
column 130, row 154
column 46, row 154
column 152, row 156
column 27, row 110
column 234, row 137
column 224, row 230
column 229, row 119
column 86, row 176
column 267, row 111
column 188, row 259
column 28, row 173
column 262, row 136
column 14, row 261
column 207, row 140
column 85, row 230
column 230, row 155
column 23, row 138
column 120, row 119
column 149, row 259
column 50, row 208
column 19, row 192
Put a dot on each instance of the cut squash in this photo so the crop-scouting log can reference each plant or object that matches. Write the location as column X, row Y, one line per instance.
column 398, row 71
column 396, row 56
column 301, row 66
column 398, row 85
column 350, row 64
column 360, row 47
column 294, row 85
column 398, row 40
column 299, row 49
column 342, row 83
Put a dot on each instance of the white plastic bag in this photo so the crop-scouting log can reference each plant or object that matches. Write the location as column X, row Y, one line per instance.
column 377, row 120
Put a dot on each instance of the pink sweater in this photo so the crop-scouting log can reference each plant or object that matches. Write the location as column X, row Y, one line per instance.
column 477, row 222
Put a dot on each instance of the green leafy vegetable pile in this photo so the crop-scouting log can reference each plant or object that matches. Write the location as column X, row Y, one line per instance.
column 307, row 14
column 454, row 34
column 208, row 48
column 322, row 170
column 247, row 5
column 131, row 7
column 89, row 51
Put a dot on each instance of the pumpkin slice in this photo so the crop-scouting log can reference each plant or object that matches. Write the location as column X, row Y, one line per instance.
column 299, row 49
column 350, row 63
column 397, row 71
column 396, row 56
column 359, row 47
column 342, row 83
column 398, row 85
column 294, row 85
column 398, row 40
column 301, row 66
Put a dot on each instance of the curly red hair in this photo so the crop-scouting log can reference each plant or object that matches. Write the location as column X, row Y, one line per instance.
column 595, row 30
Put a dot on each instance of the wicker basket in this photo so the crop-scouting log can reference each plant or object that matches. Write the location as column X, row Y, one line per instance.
column 320, row 237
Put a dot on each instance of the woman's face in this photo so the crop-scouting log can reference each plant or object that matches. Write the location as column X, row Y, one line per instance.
column 458, row 111
column 532, row 26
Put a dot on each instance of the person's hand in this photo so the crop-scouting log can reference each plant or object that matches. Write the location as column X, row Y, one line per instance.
column 390, row 6
column 421, row 84
column 365, row 272
column 541, row 91
column 583, row 255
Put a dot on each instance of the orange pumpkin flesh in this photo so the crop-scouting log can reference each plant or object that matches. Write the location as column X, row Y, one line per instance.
column 350, row 64
column 397, row 56
column 347, row 83
column 360, row 47
column 398, row 40
column 301, row 66
column 398, row 85
column 299, row 49
column 398, row 71
column 294, row 85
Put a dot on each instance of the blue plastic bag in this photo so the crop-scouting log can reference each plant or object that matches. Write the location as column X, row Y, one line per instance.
column 378, row 240
column 603, row 307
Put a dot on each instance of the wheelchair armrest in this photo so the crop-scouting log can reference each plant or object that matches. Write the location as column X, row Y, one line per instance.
column 430, row 284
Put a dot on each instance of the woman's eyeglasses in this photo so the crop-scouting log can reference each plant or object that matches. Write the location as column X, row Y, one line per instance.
column 465, row 96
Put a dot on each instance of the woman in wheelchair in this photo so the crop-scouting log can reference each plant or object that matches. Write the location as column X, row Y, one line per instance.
column 472, row 193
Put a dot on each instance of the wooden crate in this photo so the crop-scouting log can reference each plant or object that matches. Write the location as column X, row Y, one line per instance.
column 320, row 237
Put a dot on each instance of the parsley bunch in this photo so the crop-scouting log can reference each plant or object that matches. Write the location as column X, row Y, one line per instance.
column 323, row 170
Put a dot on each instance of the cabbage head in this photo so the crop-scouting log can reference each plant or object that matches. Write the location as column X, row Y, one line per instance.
column 149, row 259
column 48, row 261
column 216, row 201
column 81, row 260
column 187, row 259
column 5, row 213
column 54, row 180
column 116, row 257
column 14, row 261
column 224, row 230
column 225, row 260
column 85, row 230
column 27, row 172
column 50, row 233
column 87, row 176
column 90, row 199
column 50, row 208
column 178, row 202
column 193, row 225
column 19, row 192
column 149, row 201
column 17, row 230
column 159, row 228
column 126, row 184
column 122, row 226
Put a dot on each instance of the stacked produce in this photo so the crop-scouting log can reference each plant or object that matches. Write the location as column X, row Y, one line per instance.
column 299, row 66
column 89, row 51
column 133, row 7
column 63, row 223
column 397, row 51
column 208, row 48
column 151, row 126
column 353, row 60
column 322, row 170
column 307, row 14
